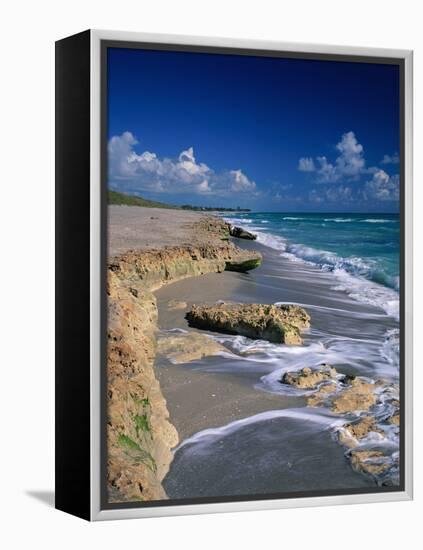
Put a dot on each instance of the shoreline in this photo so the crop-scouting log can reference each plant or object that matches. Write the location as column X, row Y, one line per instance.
column 355, row 331
column 200, row 394
column 198, row 399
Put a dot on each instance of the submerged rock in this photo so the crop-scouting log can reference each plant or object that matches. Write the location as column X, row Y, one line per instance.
column 369, row 462
column 191, row 346
column 351, row 434
column 319, row 398
column 308, row 378
column 358, row 396
column 354, row 394
column 280, row 324
column 241, row 233
column 394, row 419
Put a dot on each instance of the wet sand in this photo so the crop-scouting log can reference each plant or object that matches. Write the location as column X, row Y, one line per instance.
column 198, row 399
column 276, row 454
column 281, row 445
column 215, row 391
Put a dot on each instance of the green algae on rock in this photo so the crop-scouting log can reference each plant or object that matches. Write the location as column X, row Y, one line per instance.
column 241, row 265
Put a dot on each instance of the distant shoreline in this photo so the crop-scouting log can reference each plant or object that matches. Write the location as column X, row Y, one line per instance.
column 114, row 197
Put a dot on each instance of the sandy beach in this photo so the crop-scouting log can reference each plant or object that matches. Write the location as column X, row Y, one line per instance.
column 136, row 228
column 232, row 400
column 196, row 400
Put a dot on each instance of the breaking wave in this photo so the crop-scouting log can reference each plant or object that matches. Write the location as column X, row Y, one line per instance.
column 361, row 279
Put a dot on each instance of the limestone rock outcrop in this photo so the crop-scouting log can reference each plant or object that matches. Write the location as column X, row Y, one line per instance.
column 351, row 434
column 190, row 346
column 241, row 233
column 308, row 378
column 140, row 436
column 358, row 396
column 281, row 324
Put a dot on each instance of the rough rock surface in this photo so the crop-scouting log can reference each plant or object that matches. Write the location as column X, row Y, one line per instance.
column 308, row 378
column 241, row 233
column 140, row 435
column 182, row 348
column 351, row 434
column 369, row 462
column 394, row 419
column 279, row 324
column 358, row 396
column 361, row 401
column 157, row 267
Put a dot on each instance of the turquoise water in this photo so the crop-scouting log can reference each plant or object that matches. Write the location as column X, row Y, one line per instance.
column 366, row 245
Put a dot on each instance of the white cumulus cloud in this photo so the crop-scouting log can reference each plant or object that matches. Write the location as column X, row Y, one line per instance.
column 349, row 163
column 306, row 164
column 130, row 171
column 383, row 187
column 390, row 159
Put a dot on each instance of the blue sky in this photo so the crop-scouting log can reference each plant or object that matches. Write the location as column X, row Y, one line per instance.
column 263, row 133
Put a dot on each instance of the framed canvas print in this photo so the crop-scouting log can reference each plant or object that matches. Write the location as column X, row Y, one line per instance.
column 234, row 300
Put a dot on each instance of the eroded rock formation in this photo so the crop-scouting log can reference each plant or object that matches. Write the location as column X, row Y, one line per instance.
column 241, row 233
column 140, row 436
column 372, row 410
column 190, row 346
column 280, row 324
column 308, row 378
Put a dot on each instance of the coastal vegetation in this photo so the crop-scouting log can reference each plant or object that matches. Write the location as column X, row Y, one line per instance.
column 131, row 200
column 115, row 197
column 214, row 208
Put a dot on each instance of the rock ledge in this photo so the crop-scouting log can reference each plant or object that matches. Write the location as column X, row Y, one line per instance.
column 279, row 324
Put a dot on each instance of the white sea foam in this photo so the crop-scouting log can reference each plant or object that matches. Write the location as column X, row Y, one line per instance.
column 390, row 349
column 386, row 438
column 319, row 416
column 239, row 221
column 338, row 220
column 366, row 291
column 347, row 312
column 375, row 220
column 272, row 241
column 351, row 272
column 270, row 361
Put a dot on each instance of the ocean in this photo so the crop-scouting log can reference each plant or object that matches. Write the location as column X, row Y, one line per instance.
column 361, row 250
